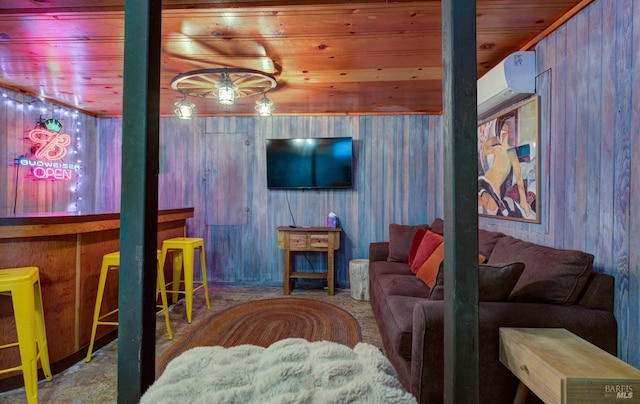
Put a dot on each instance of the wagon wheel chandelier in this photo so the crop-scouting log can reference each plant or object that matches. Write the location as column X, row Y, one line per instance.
column 225, row 85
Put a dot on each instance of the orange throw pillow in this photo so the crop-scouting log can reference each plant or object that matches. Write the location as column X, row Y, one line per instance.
column 427, row 246
column 429, row 270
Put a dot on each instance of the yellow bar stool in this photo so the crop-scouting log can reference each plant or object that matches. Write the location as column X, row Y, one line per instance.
column 23, row 285
column 111, row 262
column 183, row 250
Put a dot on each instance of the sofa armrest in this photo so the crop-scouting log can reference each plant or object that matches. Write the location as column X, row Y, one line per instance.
column 599, row 292
column 378, row 251
column 497, row 384
column 427, row 352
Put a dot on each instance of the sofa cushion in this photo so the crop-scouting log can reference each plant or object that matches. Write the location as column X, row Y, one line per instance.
column 495, row 283
column 487, row 241
column 415, row 244
column 401, row 310
column 385, row 267
column 437, row 226
column 599, row 292
column 400, row 238
column 378, row 251
column 429, row 244
column 551, row 275
column 429, row 270
column 402, row 285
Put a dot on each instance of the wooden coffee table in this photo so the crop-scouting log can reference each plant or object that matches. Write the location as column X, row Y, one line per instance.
column 560, row 367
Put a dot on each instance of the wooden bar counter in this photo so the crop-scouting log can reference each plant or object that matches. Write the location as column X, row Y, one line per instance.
column 68, row 250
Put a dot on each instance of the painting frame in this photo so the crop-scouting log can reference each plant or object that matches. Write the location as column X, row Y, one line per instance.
column 509, row 163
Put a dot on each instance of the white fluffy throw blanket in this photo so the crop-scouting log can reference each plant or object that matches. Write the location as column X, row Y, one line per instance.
column 289, row 371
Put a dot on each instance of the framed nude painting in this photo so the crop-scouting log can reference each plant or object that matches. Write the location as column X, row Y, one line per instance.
column 508, row 162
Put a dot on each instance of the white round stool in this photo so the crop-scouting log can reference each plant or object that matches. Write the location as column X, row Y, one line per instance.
column 359, row 279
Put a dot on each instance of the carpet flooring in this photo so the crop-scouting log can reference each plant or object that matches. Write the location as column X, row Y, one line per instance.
column 96, row 381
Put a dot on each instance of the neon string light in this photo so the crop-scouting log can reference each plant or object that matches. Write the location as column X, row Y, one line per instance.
column 53, row 146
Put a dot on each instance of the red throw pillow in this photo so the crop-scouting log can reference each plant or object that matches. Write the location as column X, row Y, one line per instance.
column 427, row 246
column 417, row 238
column 429, row 270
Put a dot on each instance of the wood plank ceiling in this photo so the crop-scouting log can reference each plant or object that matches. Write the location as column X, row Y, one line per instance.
column 328, row 56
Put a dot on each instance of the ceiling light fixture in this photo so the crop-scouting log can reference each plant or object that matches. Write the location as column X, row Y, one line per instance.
column 224, row 84
column 184, row 108
column 264, row 106
column 226, row 90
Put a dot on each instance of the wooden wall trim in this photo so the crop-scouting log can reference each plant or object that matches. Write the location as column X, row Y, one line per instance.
column 557, row 24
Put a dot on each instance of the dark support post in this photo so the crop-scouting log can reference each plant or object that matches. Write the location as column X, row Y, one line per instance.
column 139, row 202
column 461, row 368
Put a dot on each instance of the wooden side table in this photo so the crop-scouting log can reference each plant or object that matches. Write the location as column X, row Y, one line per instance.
column 560, row 367
column 311, row 239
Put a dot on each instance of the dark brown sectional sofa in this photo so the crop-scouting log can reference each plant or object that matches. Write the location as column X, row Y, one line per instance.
column 557, row 288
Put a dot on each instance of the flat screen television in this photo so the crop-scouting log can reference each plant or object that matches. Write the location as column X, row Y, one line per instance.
column 308, row 163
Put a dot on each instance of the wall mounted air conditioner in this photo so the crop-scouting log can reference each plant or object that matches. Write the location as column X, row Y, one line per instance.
column 510, row 81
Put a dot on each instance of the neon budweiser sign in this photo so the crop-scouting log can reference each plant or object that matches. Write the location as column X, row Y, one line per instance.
column 50, row 147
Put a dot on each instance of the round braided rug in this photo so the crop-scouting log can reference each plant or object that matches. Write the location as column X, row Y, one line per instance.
column 263, row 322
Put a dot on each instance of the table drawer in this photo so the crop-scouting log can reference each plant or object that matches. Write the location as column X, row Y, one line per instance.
column 308, row 239
column 298, row 241
column 319, row 240
column 532, row 371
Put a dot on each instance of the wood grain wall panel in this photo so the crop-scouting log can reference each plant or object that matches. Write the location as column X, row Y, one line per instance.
column 390, row 174
column 106, row 170
column 633, row 333
column 590, row 99
column 226, row 178
column 581, row 138
column 569, row 104
column 595, row 128
column 7, row 156
column 18, row 182
column 589, row 90
column 560, row 183
column 21, row 191
column 177, row 175
column 622, row 143
column 83, row 134
column 607, row 114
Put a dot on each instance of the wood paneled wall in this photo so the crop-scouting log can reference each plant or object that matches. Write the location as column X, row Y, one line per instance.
column 589, row 87
column 20, row 191
column 218, row 166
